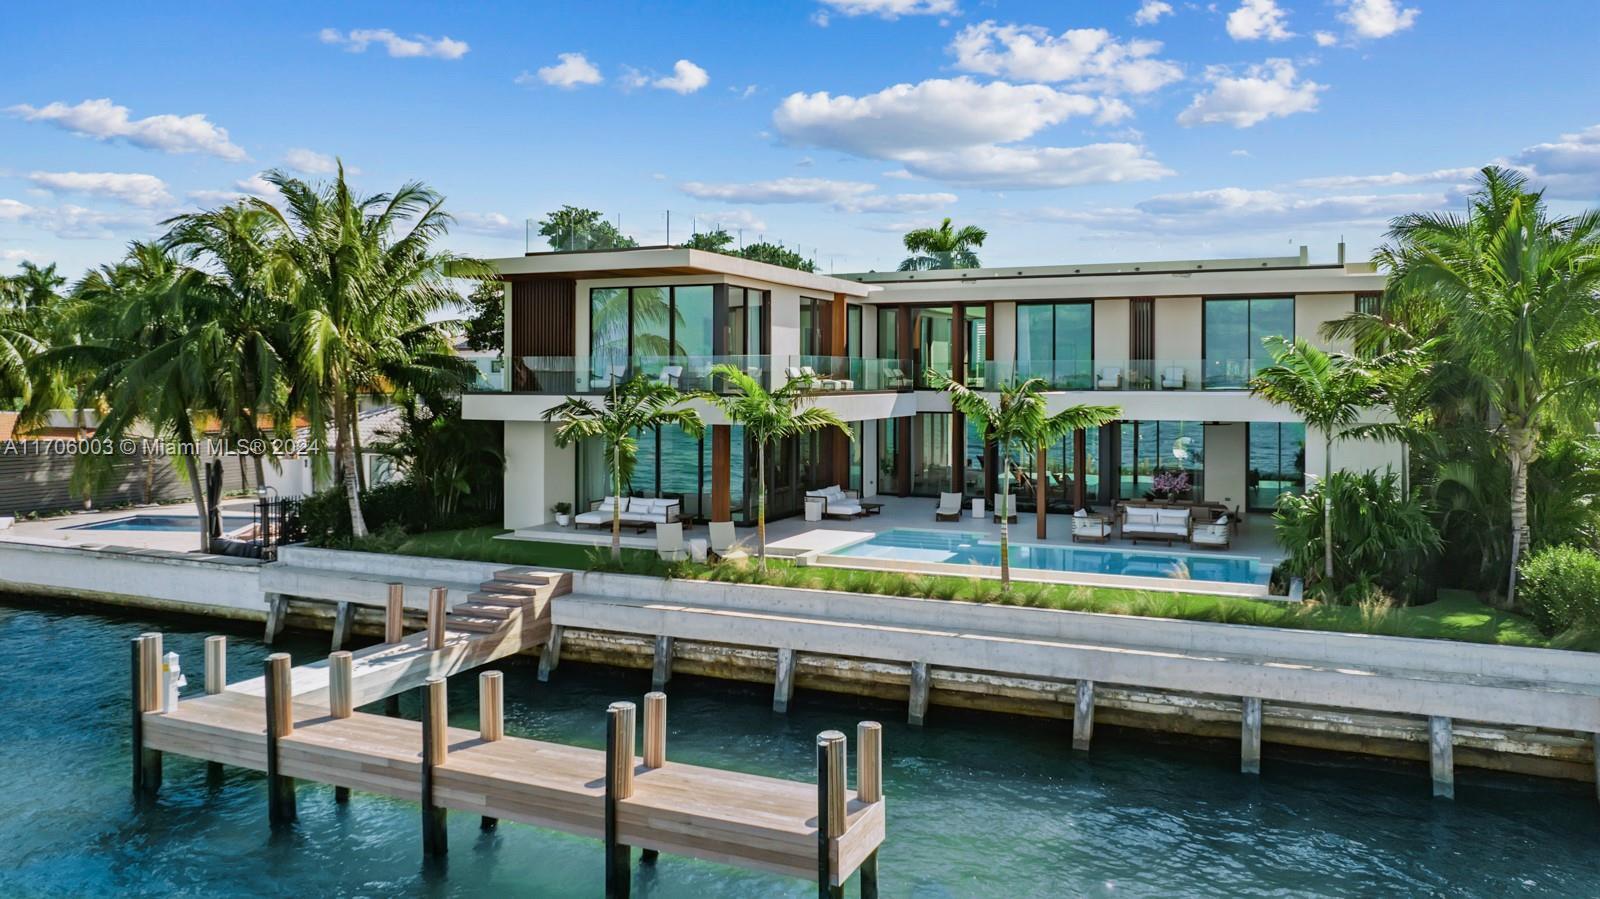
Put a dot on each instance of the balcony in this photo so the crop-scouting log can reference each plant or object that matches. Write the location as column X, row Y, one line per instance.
column 568, row 375
column 1122, row 374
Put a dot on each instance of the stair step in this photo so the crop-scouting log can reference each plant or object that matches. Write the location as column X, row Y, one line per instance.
column 474, row 609
column 527, row 576
column 519, row 587
column 475, row 625
column 515, row 601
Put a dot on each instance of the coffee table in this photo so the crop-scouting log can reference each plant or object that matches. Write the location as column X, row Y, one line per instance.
column 872, row 508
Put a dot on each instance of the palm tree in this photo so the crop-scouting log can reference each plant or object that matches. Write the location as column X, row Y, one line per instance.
column 365, row 280
column 1328, row 392
column 638, row 404
column 144, row 354
column 1017, row 418
column 769, row 416
column 943, row 247
column 1520, row 291
column 246, row 348
column 34, row 287
column 19, row 342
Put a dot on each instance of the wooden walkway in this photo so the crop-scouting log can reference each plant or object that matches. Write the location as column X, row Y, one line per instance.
column 301, row 724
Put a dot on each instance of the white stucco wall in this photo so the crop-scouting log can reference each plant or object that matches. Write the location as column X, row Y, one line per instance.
column 1311, row 310
column 1226, row 462
column 1003, row 333
column 538, row 473
column 1110, row 332
column 1179, row 326
column 1350, row 455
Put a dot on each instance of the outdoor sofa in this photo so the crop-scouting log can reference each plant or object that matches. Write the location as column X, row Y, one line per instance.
column 837, row 503
column 1152, row 523
column 637, row 512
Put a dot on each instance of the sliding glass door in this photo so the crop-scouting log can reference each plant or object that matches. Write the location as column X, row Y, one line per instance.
column 1233, row 332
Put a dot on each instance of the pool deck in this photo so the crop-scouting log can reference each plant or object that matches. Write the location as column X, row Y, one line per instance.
column 794, row 537
column 69, row 530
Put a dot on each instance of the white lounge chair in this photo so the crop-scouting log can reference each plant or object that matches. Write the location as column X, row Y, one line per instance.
column 1011, row 508
column 671, row 375
column 725, row 543
column 669, row 542
column 896, row 379
column 1088, row 528
column 949, row 507
column 836, row 503
column 1110, row 379
column 1172, row 377
column 1213, row 534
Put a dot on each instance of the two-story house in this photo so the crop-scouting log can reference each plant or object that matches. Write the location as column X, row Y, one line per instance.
column 1173, row 344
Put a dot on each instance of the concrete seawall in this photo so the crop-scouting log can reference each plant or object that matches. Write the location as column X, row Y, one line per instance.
column 1539, row 707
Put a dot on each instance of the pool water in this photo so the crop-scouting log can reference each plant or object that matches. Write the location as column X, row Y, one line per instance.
column 162, row 523
column 979, row 804
column 912, row 545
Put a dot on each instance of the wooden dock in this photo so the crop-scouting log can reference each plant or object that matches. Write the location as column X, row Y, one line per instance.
column 295, row 724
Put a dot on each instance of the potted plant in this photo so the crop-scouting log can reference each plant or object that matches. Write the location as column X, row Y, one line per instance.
column 1170, row 484
column 563, row 513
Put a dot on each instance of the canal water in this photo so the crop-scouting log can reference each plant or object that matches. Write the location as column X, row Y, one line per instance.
column 979, row 805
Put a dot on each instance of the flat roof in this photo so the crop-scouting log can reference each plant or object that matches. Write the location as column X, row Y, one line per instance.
column 646, row 262
column 1251, row 263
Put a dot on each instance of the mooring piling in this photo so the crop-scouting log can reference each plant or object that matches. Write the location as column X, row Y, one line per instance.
column 491, row 721
column 436, row 615
column 869, row 788
column 341, row 701
column 783, row 683
column 1441, row 757
column 830, row 808
column 280, row 724
column 619, row 786
column 435, row 747
column 146, row 697
column 1083, row 715
column 1250, row 735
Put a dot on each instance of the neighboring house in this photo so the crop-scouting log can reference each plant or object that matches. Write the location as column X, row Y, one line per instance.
column 295, row 475
column 1172, row 343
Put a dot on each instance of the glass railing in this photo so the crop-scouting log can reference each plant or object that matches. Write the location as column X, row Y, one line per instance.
column 564, row 375
column 1124, row 374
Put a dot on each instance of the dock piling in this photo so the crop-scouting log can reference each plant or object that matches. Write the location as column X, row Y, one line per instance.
column 491, row 721
column 146, row 697
column 619, row 786
column 1441, row 757
column 280, row 724
column 655, row 729
column 341, row 701
column 1250, row 735
column 783, row 684
column 830, row 808
column 343, row 617
column 1083, row 716
column 869, row 788
column 435, row 746
column 661, row 670
column 436, row 613
column 277, row 611
column 394, row 614
column 550, row 655
column 216, row 664
column 919, row 693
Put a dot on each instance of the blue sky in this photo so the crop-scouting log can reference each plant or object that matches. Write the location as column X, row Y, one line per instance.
column 1073, row 131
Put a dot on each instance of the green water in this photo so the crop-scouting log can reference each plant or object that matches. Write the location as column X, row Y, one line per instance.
column 979, row 805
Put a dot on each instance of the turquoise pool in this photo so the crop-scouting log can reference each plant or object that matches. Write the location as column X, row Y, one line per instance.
column 161, row 523
column 955, row 548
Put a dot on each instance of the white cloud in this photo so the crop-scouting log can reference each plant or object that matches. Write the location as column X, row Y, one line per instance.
column 686, row 78
column 1377, row 18
column 74, row 222
column 1092, row 57
column 18, row 255
column 573, row 70
column 1151, row 11
column 1325, row 38
column 1568, row 168
column 1026, row 168
column 417, row 46
column 1258, row 19
column 1265, row 91
column 936, row 114
column 1242, row 153
column 253, row 186
column 898, row 203
column 1392, row 179
column 1238, row 210
column 778, row 190
column 310, row 162
column 493, row 224
column 103, row 120
column 128, row 187
column 887, row 9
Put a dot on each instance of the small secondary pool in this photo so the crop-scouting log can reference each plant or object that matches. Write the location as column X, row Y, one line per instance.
column 161, row 523
column 910, row 545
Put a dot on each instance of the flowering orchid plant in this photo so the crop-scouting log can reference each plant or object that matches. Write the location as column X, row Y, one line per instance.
column 1170, row 483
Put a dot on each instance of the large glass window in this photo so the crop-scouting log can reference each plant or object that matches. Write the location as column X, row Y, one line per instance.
column 608, row 331
column 1277, row 463
column 1233, row 333
column 932, row 336
column 852, row 331
column 975, row 321
column 1055, row 341
column 888, row 456
column 930, row 453
column 1154, row 456
column 692, row 321
column 974, row 471
column 889, row 333
column 814, row 315
column 652, row 321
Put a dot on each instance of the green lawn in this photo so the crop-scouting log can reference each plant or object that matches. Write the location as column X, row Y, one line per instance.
column 1455, row 615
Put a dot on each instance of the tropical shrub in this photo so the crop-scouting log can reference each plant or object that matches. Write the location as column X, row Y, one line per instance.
column 1384, row 538
column 403, row 506
column 1561, row 588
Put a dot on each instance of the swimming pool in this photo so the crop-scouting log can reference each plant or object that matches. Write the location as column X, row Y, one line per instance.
column 954, row 548
column 162, row 523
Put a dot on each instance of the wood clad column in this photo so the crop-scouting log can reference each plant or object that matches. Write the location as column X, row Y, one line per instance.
column 1041, row 502
column 721, row 472
column 1080, row 464
column 837, row 444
